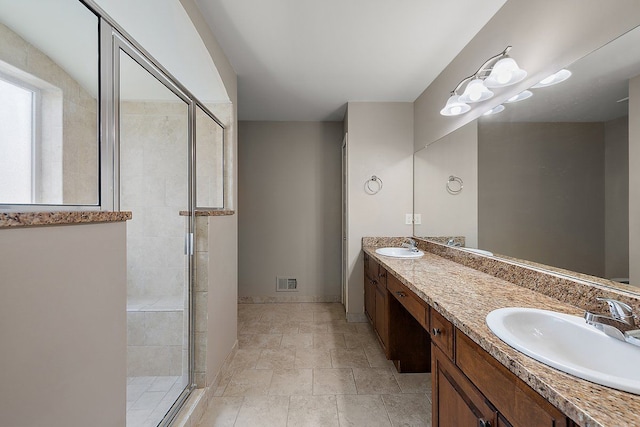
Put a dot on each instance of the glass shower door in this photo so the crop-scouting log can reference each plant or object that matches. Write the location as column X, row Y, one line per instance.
column 153, row 158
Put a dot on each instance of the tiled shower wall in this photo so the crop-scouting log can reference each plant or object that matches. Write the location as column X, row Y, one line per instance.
column 154, row 187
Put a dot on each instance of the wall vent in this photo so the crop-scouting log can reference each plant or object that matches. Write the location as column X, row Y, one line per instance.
column 286, row 284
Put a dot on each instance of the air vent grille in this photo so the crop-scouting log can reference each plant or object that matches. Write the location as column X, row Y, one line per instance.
column 286, row 284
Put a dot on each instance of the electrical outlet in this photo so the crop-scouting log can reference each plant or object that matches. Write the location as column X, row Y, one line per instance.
column 408, row 219
column 417, row 219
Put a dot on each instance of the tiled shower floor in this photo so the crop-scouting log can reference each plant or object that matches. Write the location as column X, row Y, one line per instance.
column 149, row 399
column 303, row 365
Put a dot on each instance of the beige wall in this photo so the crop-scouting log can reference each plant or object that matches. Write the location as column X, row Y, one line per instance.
column 380, row 142
column 616, row 202
column 634, row 181
column 546, row 36
column 290, row 198
column 541, row 193
column 445, row 214
column 222, row 296
column 62, row 325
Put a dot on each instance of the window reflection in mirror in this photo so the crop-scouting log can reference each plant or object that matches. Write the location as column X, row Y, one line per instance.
column 48, row 103
column 209, row 162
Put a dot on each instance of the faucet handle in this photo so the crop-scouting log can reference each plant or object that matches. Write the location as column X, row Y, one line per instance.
column 618, row 309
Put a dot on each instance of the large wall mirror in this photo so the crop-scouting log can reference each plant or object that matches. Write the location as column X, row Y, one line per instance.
column 48, row 103
column 547, row 179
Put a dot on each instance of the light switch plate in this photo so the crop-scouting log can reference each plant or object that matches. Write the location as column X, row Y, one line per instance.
column 417, row 219
column 408, row 219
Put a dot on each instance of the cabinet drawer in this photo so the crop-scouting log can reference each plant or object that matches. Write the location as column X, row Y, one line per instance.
column 519, row 403
column 441, row 333
column 370, row 268
column 408, row 299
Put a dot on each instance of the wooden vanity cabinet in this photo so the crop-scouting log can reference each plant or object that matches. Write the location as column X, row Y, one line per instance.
column 469, row 386
column 465, row 376
column 376, row 302
column 409, row 343
column 456, row 401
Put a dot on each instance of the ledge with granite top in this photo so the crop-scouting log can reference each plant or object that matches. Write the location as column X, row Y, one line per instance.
column 36, row 219
column 210, row 212
column 465, row 287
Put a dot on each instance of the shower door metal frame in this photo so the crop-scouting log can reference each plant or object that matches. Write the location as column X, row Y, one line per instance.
column 120, row 44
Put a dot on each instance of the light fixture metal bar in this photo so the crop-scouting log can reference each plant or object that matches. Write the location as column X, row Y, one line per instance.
column 481, row 69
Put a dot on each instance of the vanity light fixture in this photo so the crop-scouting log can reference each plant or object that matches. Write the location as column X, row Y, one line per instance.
column 495, row 110
column 525, row 94
column 498, row 71
column 454, row 107
column 553, row 79
column 476, row 91
column 505, row 73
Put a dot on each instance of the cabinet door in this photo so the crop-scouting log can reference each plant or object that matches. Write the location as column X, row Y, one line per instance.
column 382, row 317
column 517, row 402
column 370, row 299
column 456, row 402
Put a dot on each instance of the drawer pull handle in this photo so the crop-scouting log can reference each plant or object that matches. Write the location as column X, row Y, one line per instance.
column 436, row 332
column 484, row 423
column 401, row 294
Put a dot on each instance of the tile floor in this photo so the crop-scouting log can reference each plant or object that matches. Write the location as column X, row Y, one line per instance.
column 149, row 399
column 301, row 365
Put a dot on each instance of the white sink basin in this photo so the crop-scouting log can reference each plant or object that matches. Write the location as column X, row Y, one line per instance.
column 567, row 343
column 399, row 252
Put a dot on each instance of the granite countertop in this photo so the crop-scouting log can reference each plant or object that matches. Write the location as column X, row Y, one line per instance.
column 33, row 219
column 210, row 212
column 465, row 296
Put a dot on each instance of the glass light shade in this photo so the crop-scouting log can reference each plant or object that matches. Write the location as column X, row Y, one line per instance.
column 475, row 91
column 506, row 72
column 553, row 79
column 454, row 107
column 495, row 110
column 519, row 97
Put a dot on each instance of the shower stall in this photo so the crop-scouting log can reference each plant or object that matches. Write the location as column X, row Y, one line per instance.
column 153, row 153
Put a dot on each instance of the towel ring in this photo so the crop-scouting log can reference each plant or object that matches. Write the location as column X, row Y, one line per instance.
column 451, row 188
column 375, row 190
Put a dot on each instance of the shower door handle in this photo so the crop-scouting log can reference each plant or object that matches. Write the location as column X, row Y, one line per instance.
column 188, row 244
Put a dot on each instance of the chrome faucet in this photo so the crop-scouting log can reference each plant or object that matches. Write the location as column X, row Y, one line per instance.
column 411, row 244
column 452, row 242
column 619, row 324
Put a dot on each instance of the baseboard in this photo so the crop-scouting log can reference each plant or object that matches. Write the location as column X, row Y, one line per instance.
column 288, row 298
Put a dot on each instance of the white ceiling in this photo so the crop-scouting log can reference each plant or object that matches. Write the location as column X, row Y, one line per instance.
column 303, row 60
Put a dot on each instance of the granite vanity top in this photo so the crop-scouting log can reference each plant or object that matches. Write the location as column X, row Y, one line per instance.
column 465, row 296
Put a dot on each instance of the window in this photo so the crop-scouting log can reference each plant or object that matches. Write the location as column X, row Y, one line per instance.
column 18, row 113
